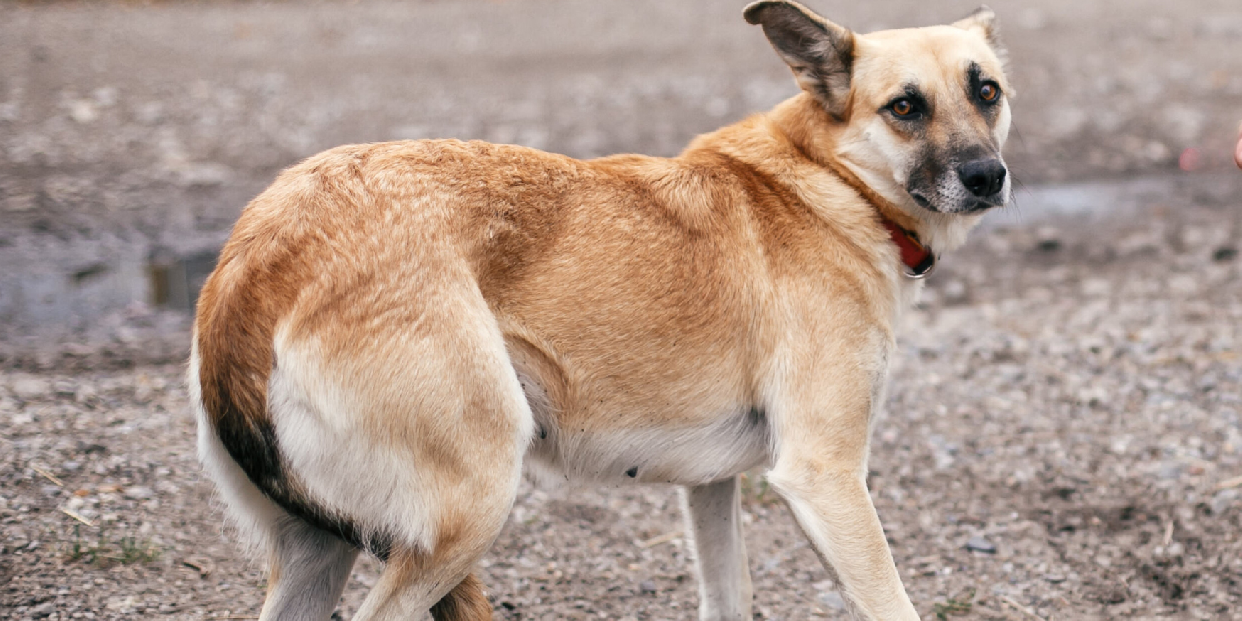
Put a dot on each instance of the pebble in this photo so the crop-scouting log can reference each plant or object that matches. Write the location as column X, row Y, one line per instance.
column 647, row 586
column 27, row 388
column 980, row 544
column 955, row 292
column 1224, row 499
column 832, row 600
column 139, row 493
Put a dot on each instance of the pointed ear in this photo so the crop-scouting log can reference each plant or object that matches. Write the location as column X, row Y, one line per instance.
column 983, row 23
column 820, row 53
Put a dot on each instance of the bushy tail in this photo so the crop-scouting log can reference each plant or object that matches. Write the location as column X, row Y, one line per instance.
column 466, row 602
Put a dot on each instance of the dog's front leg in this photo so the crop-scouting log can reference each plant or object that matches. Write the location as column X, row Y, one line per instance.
column 713, row 515
column 820, row 471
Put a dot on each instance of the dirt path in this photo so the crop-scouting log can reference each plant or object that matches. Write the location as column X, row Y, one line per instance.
column 1067, row 403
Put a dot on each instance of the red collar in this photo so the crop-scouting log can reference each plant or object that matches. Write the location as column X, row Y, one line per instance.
column 914, row 254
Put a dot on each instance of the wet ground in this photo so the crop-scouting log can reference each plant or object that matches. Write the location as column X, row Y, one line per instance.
column 1063, row 438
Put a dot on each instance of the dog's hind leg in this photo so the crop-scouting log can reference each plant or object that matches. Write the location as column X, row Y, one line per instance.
column 713, row 515
column 466, row 602
column 414, row 583
column 308, row 571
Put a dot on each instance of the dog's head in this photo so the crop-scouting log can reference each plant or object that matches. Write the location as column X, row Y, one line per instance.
column 919, row 115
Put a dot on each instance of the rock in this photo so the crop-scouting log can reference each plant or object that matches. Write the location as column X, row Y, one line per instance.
column 139, row 493
column 647, row 586
column 980, row 544
column 832, row 600
column 1048, row 239
column 955, row 292
column 1224, row 499
column 27, row 388
column 1169, row 471
column 83, row 111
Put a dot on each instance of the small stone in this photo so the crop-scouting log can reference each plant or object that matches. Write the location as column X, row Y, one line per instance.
column 647, row 586
column 28, row 388
column 1223, row 500
column 105, row 96
column 83, row 111
column 1048, row 239
column 1169, row 471
column 955, row 292
column 139, row 493
column 832, row 600
column 980, row 544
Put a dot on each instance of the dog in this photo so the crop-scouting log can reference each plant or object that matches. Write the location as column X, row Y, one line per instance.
column 395, row 332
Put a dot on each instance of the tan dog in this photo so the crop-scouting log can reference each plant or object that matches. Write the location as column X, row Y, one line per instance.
column 395, row 330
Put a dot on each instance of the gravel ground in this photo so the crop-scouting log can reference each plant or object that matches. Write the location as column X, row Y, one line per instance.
column 1063, row 438
column 1063, row 441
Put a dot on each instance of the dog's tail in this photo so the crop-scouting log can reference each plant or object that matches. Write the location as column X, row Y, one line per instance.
column 466, row 602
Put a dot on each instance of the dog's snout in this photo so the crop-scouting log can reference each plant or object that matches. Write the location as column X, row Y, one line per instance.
column 982, row 177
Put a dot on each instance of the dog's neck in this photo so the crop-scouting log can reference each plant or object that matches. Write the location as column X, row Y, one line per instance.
column 816, row 137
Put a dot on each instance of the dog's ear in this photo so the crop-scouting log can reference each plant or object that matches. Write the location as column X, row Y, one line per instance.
column 820, row 52
column 983, row 22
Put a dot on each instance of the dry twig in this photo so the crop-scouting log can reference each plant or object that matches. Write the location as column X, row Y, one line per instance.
column 665, row 538
column 47, row 475
column 1020, row 608
column 1229, row 483
column 77, row 516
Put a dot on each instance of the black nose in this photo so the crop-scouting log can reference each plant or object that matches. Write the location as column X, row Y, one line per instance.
column 982, row 177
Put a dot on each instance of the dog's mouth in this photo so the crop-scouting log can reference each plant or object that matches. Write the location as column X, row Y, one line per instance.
column 921, row 200
column 971, row 207
column 984, row 205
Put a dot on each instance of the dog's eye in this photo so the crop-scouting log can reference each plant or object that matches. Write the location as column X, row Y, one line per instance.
column 989, row 91
column 902, row 107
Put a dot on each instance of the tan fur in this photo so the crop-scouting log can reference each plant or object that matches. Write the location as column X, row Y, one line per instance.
column 444, row 308
column 466, row 602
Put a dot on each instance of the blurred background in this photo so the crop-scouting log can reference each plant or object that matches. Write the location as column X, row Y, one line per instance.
column 132, row 133
column 1064, row 437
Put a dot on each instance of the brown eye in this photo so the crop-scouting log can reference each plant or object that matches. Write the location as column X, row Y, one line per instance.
column 989, row 92
column 902, row 107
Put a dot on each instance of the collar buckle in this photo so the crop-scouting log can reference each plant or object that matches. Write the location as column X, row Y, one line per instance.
column 919, row 260
column 922, row 270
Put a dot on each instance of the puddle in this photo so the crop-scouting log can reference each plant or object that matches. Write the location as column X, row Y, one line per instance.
column 50, row 283
column 174, row 281
column 47, row 284
column 1094, row 199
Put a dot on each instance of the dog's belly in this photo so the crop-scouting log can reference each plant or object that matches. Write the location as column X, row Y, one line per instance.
column 685, row 456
